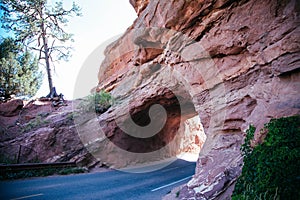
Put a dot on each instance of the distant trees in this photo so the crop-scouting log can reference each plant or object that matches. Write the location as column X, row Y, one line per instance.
column 19, row 71
column 40, row 27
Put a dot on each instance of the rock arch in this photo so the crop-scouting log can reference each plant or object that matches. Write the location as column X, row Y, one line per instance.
column 248, row 73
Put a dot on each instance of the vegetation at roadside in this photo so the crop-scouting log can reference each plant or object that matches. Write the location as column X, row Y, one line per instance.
column 98, row 102
column 177, row 194
column 11, row 175
column 48, row 171
column 271, row 169
column 5, row 160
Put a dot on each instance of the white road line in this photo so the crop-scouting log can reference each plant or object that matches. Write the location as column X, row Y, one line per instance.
column 26, row 197
column 170, row 184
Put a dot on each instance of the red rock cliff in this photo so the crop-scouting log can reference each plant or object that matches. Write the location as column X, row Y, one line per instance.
column 232, row 63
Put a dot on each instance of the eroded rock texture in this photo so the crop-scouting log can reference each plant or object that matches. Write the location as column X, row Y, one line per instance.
column 230, row 62
column 38, row 132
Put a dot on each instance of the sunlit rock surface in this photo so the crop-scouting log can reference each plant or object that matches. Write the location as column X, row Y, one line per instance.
column 231, row 63
column 39, row 132
column 224, row 63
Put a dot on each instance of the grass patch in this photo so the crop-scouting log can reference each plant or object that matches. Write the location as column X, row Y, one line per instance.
column 38, row 121
column 5, row 160
column 72, row 115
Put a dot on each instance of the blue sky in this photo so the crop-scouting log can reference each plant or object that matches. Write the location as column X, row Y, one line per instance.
column 2, row 32
column 101, row 20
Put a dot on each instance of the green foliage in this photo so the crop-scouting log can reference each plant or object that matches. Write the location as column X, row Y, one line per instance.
column 72, row 115
column 271, row 169
column 75, row 170
column 11, row 175
column 19, row 71
column 34, row 123
column 246, row 148
column 97, row 102
column 6, row 160
column 40, row 27
column 30, row 20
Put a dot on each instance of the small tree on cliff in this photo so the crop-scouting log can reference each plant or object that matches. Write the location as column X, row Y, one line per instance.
column 19, row 71
column 40, row 27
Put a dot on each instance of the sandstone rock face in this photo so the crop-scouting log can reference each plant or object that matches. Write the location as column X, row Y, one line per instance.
column 39, row 132
column 11, row 108
column 42, row 133
column 196, row 137
column 139, row 5
column 231, row 63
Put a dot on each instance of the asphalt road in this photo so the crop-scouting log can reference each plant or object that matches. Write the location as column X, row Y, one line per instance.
column 112, row 185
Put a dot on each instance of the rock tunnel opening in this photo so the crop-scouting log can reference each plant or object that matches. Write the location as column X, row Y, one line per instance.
column 193, row 138
column 181, row 130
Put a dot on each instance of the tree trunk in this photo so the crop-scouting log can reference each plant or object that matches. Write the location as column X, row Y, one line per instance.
column 46, row 52
column 48, row 67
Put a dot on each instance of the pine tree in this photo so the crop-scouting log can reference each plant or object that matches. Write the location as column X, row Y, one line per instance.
column 40, row 26
column 19, row 71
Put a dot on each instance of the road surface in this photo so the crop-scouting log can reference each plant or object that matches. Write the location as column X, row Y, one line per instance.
column 110, row 185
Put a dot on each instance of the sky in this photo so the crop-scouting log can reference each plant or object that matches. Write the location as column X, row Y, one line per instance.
column 102, row 20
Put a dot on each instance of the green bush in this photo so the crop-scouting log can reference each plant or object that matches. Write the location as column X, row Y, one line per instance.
column 271, row 169
column 72, row 115
column 75, row 170
column 6, row 160
column 98, row 102
column 11, row 175
column 34, row 123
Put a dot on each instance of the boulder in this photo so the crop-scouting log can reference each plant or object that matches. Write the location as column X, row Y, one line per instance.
column 11, row 108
